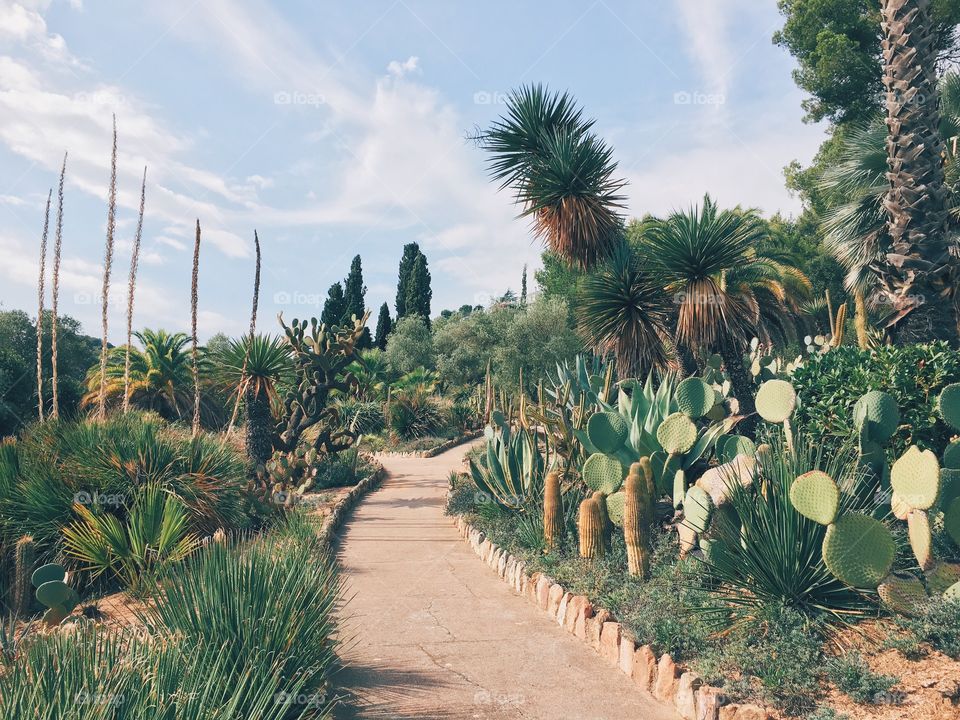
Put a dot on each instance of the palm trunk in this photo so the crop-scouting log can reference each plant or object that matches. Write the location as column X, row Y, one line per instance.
column 742, row 386
column 131, row 289
column 40, row 300
column 193, row 329
column 54, row 374
column 916, row 273
column 107, row 262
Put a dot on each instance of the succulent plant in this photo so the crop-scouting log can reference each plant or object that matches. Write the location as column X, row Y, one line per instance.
column 638, row 492
column 776, row 400
column 695, row 397
column 24, row 558
column 54, row 593
column 730, row 446
column 602, row 473
column 948, row 406
column 552, row 510
column 876, row 414
column 512, row 468
column 591, row 530
column 816, row 496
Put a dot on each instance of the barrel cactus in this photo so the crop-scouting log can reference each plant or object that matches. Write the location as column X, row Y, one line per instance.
column 637, row 518
column 591, row 530
column 552, row 510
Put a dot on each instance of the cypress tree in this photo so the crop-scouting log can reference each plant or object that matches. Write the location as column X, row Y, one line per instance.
column 354, row 293
column 419, row 293
column 523, row 286
column 335, row 306
column 384, row 326
column 411, row 251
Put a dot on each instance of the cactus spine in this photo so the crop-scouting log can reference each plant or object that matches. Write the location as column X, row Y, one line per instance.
column 552, row 510
column 24, row 558
column 637, row 513
column 591, row 528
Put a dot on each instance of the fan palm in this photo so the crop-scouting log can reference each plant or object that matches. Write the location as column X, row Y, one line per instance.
column 623, row 312
column 160, row 375
column 268, row 364
column 372, row 373
column 724, row 292
column 560, row 172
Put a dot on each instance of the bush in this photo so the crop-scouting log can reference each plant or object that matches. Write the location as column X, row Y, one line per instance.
column 830, row 384
column 413, row 414
column 410, row 346
column 938, row 625
column 366, row 418
column 853, row 677
column 345, row 468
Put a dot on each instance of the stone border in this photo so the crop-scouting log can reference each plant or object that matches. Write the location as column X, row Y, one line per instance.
column 346, row 502
column 434, row 451
column 660, row 678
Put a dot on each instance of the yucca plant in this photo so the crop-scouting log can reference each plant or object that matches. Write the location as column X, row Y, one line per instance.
column 154, row 535
column 512, row 470
column 771, row 557
column 413, row 414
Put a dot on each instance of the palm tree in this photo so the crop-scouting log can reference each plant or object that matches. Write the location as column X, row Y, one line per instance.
column 160, row 375
column 560, row 172
column 723, row 292
column 622, row 311
column 919, row 272
column 373, row 375
column 255, row 368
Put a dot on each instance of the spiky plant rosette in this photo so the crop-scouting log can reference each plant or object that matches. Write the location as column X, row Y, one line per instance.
column 774, row 557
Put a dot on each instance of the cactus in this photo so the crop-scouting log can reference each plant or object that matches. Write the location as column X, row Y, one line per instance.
column 951, row 455
column 590, row 526
column 877, row 414
column 915, row 478
column 732, row 445
column 607, row 431
column 615, row 507
column 53, row 592
column 677, row 434
column 637, row 517
column 552, row 510
column 602, row 473
column 698, row 509
column 601, row 499
column 921, row 539
column 24, row 558
column 775, row 402
column 902, row 593
column 695, row 398
column 816, row 496
column 859, row 550
column 951, row 520
column 948, row 406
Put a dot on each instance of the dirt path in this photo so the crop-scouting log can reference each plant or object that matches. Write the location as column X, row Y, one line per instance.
column 437, row 635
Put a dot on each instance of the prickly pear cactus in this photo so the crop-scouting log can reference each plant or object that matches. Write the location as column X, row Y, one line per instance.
column 54, row 593
column 602, row 473
column 615, row 508
column 731, row 446
column 607, row 431
column 677, row 434
column 903, row 593
column 915, row 478
column 816, row 496
column 695, row 397
column 698, row 509
column 948, row 406
column 877, row 414
column 776, row 401
column 859, row 550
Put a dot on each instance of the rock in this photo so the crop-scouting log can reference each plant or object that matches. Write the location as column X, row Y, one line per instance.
column 519, row 576
column 709, row 701
column 666, row 686
column 564, row 608
column 686, row 697
column 627, row 647
column 543, row 591
column 510, row 570
column 485, row 546
column 644, row 672
column 553, row 600
column 595, row 627
column 610, row 642
column 575, row 607
column 502, row 564
column 743, row 712
column 584, row 613
column 716, row 480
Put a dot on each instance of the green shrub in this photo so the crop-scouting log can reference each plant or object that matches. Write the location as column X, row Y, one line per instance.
column 366, row 418
column 854, row 678
column 413, row 414
column 828, row 386
column 938, row 625
column 340, row 470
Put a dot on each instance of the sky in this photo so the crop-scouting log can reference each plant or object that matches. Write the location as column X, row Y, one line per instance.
column 336, row 129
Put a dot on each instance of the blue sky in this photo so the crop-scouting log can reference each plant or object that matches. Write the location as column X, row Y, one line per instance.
column 340, row 128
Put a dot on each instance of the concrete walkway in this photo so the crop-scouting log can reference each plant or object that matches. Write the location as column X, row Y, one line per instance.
column 436, row 634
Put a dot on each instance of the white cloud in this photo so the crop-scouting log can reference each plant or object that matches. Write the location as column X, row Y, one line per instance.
column 705, row 25
column 399, row 69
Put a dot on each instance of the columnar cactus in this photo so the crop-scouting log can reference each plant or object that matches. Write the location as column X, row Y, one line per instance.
column 637, row 515
column 552, row 510
column 591, row 527
column 605, row 523
column 24, row 557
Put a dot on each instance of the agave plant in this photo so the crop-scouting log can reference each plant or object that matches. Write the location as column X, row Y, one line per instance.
column 512, row 469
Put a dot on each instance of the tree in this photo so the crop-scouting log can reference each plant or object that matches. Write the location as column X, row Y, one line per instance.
column 410, row 345
column 419, row 293
column 523, row 286
column 917, row 274
column 562, row 175
column 837, row 44
column 384, row 326
column 411, row 251
column 334, row 307
column 354, row 293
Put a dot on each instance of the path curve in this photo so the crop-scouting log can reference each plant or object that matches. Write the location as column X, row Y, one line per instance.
column 436, row 634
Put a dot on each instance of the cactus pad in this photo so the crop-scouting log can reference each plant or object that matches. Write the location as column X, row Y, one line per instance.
column 899, row 507
column 615, row 505
column 878, row 414
column 903, row 593
column 858, row 550
column 677, row 434
column 695, row 397
column 952, row 592
column 816, row 496
column 697, row 509
column 949, row 487
column 603, row 473
column 915, row 477
column 776, row 400
column 57, row 593
column 951, row 520
column 607, row 431
column 942, row 575
column 951, row 455
column 873, row 455
column 728, row 448
column 948, row 405
column 48, row 573
column 921, row 539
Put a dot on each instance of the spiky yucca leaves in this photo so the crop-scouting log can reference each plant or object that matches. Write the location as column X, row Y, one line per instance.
column 561, row 173
column 772, row 557
column 919, row 273
column 413, row 414
column 255, row 368
column 154, row 535
column 285, row 579
column 622, row 311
